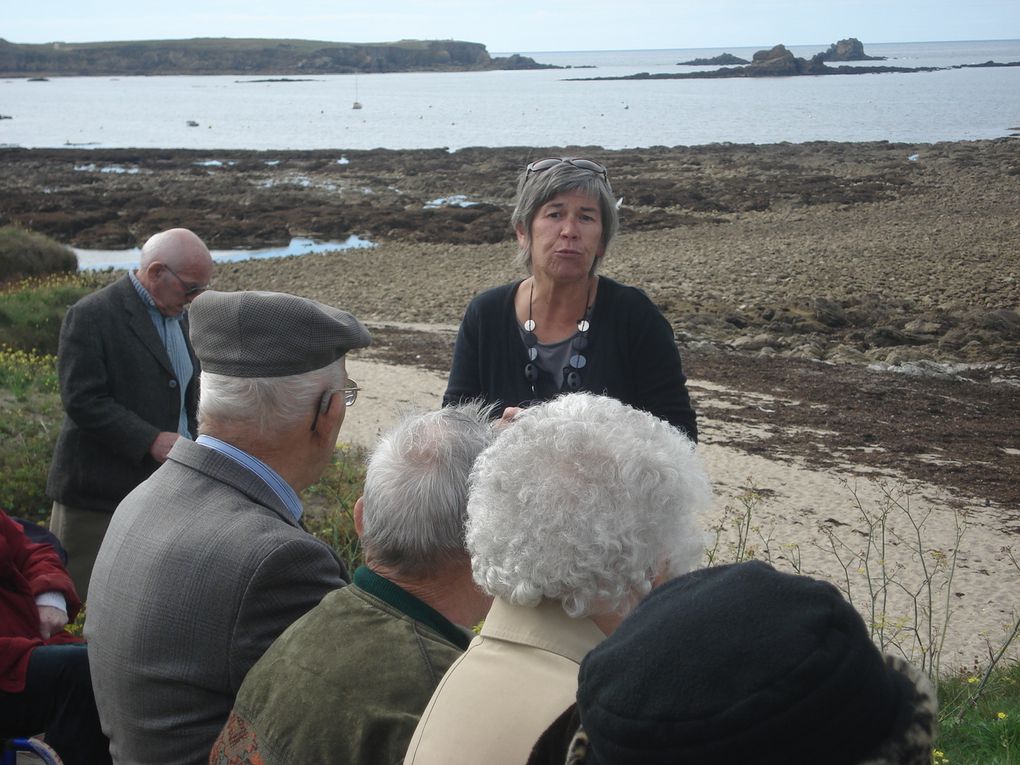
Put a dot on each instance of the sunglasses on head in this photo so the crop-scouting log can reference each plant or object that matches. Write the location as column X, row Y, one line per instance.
column 584, row 164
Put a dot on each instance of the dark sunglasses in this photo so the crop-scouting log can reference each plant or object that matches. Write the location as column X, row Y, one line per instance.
column 584, row 164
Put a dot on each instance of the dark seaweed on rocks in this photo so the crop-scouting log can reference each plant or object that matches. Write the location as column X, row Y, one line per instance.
column 872, row 288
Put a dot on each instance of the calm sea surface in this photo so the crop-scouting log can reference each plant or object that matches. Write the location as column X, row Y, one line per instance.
column 529, row 108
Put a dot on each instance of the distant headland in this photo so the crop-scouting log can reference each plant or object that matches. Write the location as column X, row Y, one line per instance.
column 209, row 56
column 780, row 62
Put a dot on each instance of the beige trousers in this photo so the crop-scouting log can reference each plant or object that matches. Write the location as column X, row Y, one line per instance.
column 80, row 532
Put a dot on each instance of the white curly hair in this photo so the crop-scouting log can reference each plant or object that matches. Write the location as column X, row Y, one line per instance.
column 585, row 500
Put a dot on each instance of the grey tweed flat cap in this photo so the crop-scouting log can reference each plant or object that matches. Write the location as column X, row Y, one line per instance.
column 270, row 334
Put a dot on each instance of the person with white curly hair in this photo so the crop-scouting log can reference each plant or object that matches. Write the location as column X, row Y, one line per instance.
column 578, row 509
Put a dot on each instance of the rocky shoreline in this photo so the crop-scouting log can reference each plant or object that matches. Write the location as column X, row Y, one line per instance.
column 868, row 253
column 873, row 288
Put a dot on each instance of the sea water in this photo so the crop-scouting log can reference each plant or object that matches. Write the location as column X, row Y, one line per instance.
column 98, row 260
column 529, row 108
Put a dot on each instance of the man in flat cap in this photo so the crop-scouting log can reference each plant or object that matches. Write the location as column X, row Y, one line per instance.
column 347, row 681
column 129, row 386
column 206, row 562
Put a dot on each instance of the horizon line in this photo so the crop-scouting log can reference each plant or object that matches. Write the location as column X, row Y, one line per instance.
column 758, row 46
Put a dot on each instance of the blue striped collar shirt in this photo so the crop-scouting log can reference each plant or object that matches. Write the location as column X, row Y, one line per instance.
column 281, row 488
column 172, row 334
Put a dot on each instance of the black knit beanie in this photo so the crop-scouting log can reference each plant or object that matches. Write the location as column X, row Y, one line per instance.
column 743, row 664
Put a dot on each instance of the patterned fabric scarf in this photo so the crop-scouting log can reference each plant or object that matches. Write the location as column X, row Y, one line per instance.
column 172, row 334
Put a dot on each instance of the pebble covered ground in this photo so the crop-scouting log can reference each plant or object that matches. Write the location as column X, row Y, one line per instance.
column 876, row 284
column 869, row 253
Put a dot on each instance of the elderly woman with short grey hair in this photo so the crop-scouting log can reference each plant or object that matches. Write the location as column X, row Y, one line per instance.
column 578, row 509
column 565, row 327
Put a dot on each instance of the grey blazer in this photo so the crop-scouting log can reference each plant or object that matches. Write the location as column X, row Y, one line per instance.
column 201, row 569
column 119, row 391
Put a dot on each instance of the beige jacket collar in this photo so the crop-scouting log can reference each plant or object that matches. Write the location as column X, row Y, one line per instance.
column 545, row 626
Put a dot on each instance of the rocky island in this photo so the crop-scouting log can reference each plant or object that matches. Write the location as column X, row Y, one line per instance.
column 850, row 49
column 726, row 59
column 211, row 56
column 780, row 62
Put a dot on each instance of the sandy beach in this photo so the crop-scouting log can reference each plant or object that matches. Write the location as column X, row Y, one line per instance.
column 798, row 506
column 847, row 314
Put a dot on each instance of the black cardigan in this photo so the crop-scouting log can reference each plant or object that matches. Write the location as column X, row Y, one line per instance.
column 632, row 356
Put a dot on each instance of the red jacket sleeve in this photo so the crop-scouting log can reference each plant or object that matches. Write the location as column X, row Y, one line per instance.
column 27, row 569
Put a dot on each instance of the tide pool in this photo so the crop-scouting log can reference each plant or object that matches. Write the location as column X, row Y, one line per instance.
column 97, row 260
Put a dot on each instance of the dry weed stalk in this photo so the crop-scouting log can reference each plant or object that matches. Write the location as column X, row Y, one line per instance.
column 872, row 581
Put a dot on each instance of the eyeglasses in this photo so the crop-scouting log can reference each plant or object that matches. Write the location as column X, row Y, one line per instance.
column 584, row 164
column 350, row 391
column 190, row 290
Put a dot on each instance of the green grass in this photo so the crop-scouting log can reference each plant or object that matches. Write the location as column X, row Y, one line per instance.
column 985, row 731
column 30, row 415
column 30, row 409
column 31, row 310
column 26, row 375
column 329, row 504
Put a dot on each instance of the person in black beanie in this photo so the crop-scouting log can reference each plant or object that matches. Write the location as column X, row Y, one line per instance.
column 738, row 664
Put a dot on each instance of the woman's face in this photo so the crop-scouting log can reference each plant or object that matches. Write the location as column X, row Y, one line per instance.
column 565, row 237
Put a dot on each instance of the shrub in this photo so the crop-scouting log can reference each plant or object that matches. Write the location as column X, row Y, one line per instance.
column 27, row 253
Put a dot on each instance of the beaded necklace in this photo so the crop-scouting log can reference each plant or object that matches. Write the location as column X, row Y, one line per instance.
column 577, row 361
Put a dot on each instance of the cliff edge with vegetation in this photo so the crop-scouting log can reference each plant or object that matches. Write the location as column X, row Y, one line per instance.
column 241, row 57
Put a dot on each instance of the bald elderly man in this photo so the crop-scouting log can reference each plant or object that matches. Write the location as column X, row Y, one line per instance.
column 129, row 386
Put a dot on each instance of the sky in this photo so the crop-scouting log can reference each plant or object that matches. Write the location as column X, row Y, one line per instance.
column 509, row 26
